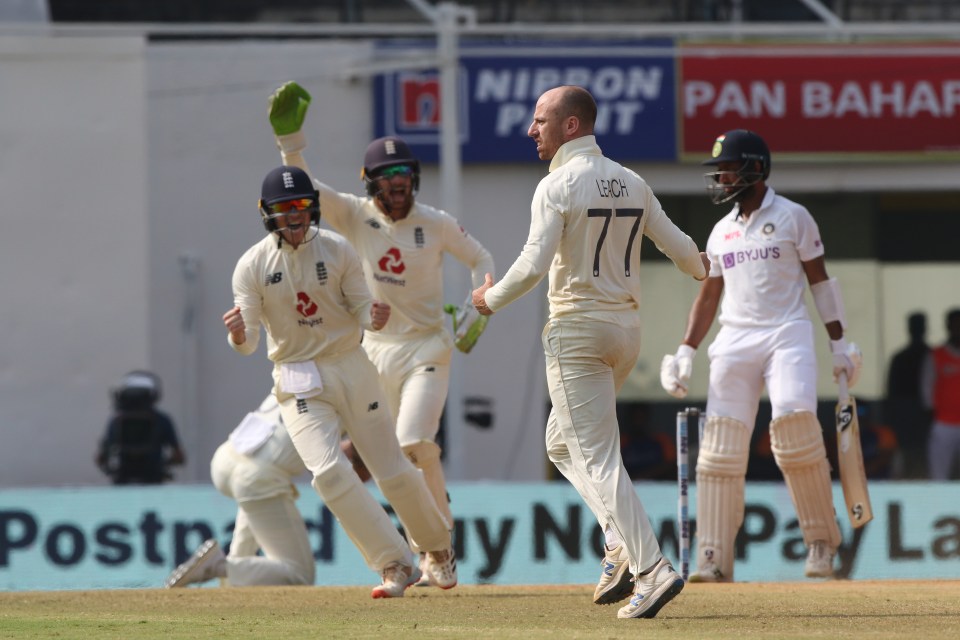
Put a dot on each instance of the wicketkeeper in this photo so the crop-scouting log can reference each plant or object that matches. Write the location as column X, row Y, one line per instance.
column 401, row 244
column 763, row 254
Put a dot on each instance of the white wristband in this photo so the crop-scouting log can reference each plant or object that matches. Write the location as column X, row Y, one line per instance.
column 686, row 351
column 292, row 142
column 826, row 297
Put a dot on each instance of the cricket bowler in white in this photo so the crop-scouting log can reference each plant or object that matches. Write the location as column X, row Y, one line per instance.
column 256, row 467
column 305, row 285
column 763, row 253
column 401, row 244
column 588, row 218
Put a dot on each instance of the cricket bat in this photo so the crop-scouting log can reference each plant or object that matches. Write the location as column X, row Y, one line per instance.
column 853, row 478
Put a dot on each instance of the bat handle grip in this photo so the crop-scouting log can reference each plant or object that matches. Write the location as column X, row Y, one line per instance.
column 844, row 395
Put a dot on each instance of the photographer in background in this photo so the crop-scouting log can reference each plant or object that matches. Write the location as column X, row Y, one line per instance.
column 140, row 443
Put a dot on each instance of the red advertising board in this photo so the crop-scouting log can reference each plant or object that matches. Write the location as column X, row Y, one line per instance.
column 896, row 99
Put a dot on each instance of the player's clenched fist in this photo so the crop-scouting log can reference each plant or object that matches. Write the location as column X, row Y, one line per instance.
column 379, row 314
column 234, row 323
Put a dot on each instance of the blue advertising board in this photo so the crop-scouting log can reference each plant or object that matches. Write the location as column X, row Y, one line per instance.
column 506, row 533
column 634, row 86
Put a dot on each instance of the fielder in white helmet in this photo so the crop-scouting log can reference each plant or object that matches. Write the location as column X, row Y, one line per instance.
column 402, row 244
column 763, row 254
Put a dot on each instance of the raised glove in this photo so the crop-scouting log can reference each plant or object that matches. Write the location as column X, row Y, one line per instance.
column 675, row 371
column 468, row 324
column 288, row 108
column 846, row 358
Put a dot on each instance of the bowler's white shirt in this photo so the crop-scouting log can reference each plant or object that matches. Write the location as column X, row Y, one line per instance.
column 588, row 218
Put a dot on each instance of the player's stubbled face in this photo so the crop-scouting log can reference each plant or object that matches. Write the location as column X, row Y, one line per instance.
column 727, row 175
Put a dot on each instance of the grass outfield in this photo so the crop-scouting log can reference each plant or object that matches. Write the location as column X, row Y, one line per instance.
column 917, row 610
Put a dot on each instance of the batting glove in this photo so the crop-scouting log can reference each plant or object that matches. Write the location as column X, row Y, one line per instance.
column 847, row 358
column 675, row 371
column 288, row 108
column 468, row 325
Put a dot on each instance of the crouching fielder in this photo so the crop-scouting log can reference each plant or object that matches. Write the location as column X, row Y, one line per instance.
column 760, row 254
column 256, row 467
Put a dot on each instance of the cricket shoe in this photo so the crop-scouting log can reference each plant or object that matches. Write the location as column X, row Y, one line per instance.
column 616, row 583
column 424, row 580
column 819, row 560
column 397, row 576
column 441, row 568
column 653, row 590
column 206, row 563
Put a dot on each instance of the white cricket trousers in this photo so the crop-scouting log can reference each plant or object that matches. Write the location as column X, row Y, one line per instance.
column 275, row 526
column 267, row 517
column 588, row 359
column 415, row 373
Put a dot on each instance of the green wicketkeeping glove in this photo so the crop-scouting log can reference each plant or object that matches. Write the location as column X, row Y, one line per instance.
column 288, row 107
column 468, row 324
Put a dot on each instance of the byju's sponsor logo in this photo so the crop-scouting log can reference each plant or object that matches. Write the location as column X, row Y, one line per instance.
column 732, row 259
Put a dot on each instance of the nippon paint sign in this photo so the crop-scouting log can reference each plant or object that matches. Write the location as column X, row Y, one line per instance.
column 633, row 87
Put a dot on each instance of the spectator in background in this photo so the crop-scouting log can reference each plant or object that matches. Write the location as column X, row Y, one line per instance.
column 941, row 388
column 648, row 454
column 904, row 409
column 881, row 449
column 141, row 443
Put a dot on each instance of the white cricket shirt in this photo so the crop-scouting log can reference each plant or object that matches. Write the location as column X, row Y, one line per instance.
column 759, row 260
column 312, row 300
column 403, row 259
column 588, row 216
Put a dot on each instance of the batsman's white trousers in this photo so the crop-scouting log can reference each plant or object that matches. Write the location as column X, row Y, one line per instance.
column 588, row 359
column 269, row 521
column 415, row 374
column 743, row 360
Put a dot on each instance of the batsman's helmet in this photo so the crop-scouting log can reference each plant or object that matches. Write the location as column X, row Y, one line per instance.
column 284, row 184
column 745, row 147
column 385, row 152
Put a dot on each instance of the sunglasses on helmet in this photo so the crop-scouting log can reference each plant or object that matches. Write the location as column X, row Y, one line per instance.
column 404, row 170
column 287, row 206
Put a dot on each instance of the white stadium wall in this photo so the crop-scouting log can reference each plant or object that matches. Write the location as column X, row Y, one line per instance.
column 131, row 173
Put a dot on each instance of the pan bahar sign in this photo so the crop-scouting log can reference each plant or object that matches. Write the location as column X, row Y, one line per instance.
column 853, row 99
column 633, row 87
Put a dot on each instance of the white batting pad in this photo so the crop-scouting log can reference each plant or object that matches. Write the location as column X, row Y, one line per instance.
column 797, row 444
column 721, row 468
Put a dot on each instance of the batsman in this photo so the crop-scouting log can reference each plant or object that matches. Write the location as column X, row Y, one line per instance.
column 401, row 243
column 763, row 254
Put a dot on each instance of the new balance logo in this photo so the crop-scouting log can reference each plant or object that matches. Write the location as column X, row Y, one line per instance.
column 274, row 278
column 373, row 223
column 373, row 406
column 301, row 406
